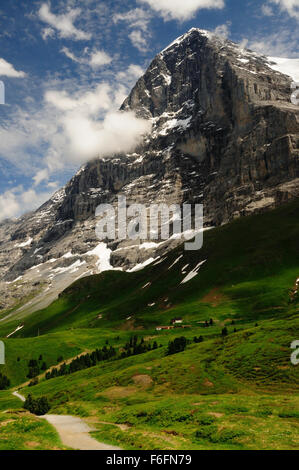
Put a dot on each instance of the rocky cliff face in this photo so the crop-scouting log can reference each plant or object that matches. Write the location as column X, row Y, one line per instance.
column 225, row 134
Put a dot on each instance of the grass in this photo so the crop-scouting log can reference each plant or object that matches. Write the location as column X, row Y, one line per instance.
column 22, row 431
column 234, row 392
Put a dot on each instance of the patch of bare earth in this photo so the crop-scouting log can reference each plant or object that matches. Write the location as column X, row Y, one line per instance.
column 142, row 380
column 214, row 297
column 4, row 423
column 118, row 392
column 94, row 420
column 31, row 444
column 207, row 383
column 215, row 415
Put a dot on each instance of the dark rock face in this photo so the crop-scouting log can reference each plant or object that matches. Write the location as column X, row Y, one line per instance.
column 225, row 134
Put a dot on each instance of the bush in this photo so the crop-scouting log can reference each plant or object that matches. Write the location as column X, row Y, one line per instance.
column 198, row 340
column 4, row 382
column 224, row 332
column 212, row 434
column 176, row 346
column 206, row 420
column 288, row 414
column 206, row 432
column 33, row 382
column 33, row 372
column 39, row 406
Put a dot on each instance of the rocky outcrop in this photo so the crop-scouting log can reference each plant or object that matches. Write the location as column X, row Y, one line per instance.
column 224, row 134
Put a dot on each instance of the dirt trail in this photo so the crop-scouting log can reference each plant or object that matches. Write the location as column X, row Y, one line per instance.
column 73, row 431
column 18, row 395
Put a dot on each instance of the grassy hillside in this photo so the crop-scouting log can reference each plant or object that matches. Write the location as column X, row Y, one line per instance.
column 238, row 391
column 250, row 271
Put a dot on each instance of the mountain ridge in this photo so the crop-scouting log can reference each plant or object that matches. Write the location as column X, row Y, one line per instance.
column 224, row 133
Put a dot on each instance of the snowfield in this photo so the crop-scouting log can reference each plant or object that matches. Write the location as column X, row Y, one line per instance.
column 287, row 66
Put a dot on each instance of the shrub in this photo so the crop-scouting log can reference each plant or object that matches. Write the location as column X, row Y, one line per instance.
column 206, row 432
column 33, row 382
column 38, row 406
column 33, row 372
column 225, row 435
column 4, row 382
column 289, row 414
column 176, row 346
column 206, row 420
column 212, row 434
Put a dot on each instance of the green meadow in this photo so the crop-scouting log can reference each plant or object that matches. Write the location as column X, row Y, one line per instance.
column 234, row 391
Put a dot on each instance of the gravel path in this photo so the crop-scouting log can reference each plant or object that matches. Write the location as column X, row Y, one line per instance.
column 18, row 395
column 73, row 431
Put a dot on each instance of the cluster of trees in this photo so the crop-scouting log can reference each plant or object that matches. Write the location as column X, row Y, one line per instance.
column 133, row 348
column 209, row 323
column 4, row 382
column 39, row 406
column 33, row 382
column 83, row 362
column 198, row 340
column 36, row 367
column 177, row 345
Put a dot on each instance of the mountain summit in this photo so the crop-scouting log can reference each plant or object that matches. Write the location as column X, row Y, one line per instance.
column 224, row 134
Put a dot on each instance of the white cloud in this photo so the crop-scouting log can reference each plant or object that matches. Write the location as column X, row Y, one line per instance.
column 16, row 201
column 8, row 70
column 181, row 9
column 63, row 23
column 41, row 175
column 279, row 44
column 99, row 58
column 95, row 60
column 71, row 55
column 138, row 40
column 83, row 136
column 267, row 10
column 223, row 30
column 137, row 18
column 70, row 127
column 48, row 33
column 119, row 132
column 290, row 6
column 133, row 73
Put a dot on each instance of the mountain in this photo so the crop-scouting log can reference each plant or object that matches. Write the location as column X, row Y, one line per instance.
column 224, row 134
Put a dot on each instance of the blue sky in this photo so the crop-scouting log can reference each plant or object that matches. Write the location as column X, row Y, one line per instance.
column 68, row 65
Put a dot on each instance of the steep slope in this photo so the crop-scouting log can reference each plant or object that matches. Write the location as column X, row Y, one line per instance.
column 224, row 134
column 234, row 391
column 247, row 270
